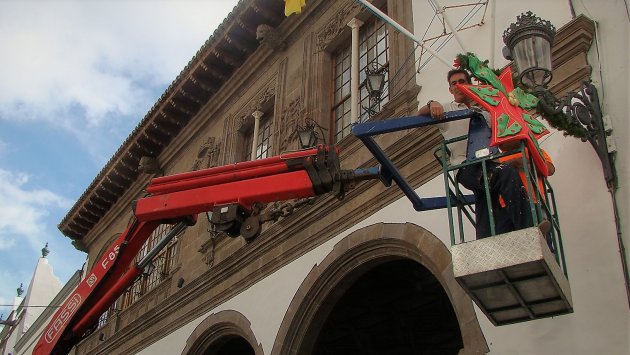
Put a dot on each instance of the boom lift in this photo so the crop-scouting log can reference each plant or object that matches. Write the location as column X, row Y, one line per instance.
column 231, row 192
column 234, row 193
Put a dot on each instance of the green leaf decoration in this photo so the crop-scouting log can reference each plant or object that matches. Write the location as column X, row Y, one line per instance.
column 527, row 101
column 481, row 71
column 505, row 130
column 559, row 120
column 534, row 125
column 487, row 94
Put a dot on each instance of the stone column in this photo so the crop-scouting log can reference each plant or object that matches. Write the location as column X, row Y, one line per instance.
column 257, row 115
column 354, row 24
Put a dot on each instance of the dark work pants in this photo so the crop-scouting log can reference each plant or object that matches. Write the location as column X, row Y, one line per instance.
column 504, row 181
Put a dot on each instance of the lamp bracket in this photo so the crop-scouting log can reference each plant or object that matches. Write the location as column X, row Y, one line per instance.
column 579, row 114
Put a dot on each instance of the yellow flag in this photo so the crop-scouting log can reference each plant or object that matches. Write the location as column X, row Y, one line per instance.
column 293, row 6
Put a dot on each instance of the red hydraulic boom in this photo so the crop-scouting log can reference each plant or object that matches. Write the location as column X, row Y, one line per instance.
column 231, row 192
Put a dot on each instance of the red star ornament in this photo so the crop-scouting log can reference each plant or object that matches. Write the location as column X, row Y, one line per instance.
column 510, row 124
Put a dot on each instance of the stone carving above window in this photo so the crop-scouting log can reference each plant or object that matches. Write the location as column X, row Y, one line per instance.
column 268, row 36
column 292, row 116
column 256, row 104
column 335, row 26
column 208, row 154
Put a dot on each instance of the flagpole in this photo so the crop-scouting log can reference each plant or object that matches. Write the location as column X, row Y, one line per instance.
column 404, row 31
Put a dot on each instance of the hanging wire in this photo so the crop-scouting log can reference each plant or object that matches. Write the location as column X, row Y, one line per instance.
column 440, row 41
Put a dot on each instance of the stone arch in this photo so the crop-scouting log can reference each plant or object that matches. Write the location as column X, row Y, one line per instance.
column 354, row 255
column 220, row 327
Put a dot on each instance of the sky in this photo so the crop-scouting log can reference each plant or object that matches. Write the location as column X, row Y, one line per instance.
column 75, row 78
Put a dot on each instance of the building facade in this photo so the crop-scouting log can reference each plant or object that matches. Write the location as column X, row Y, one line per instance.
column 366, row 274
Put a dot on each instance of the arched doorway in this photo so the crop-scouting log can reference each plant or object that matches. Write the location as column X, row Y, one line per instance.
column 230, row 345
column 223, row 333
column 397, row 307
column 384, row 289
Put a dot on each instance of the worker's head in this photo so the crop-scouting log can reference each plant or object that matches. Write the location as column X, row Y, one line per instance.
column 458, row 76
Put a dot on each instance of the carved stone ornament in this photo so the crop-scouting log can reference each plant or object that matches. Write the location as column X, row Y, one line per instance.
column 268, row 36
column 208, row 155
column 149, row 165
column 208, row 248
column 291, row 117
column 245, row 115
column 207, row 251
column 334, row 27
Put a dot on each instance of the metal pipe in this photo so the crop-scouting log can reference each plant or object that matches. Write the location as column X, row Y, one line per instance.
column 161, row 244
column 493, row 28
column 404, row 31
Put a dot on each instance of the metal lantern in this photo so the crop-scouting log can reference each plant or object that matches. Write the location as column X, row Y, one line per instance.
column 529, row 42
column 375, row 81
column 307, row 136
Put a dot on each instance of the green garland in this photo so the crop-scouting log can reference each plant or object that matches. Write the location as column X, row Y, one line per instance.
column 558, row 120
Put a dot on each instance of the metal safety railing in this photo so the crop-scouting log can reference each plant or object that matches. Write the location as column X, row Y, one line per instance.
column 460, row 206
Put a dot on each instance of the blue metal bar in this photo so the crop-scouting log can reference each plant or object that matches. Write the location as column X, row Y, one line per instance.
column 389, row 170
column 366, row 130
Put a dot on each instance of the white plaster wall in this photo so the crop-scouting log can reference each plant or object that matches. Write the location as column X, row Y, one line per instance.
column 43, row 288
column 600, row 322
column 609, row 58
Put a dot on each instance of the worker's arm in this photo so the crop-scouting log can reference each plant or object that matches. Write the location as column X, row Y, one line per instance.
column 550, row 167
column 432, row 108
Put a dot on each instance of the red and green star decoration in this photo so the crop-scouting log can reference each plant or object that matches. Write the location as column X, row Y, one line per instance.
column 510, row 123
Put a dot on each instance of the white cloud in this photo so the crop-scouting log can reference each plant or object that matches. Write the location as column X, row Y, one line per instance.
column 80, row 64
column 91, row 69
column 22, row 210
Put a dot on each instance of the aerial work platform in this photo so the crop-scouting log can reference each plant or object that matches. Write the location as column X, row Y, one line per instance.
column 512, row 277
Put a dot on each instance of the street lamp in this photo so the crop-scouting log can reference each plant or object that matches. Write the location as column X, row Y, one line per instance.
column 374, row 84
column 375, row 81
column 307, row 135
column 528, row 43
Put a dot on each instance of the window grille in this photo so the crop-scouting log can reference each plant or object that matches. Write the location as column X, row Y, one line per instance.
column 161, row 267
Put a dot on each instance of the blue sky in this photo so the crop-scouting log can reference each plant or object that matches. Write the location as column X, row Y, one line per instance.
column 75, row 78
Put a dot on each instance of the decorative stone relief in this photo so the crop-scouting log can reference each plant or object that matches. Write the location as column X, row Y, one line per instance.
column 268, row 93
column 335, row 26
column 207, row 251
column 208, row 248
column 268, row 36
column 208, row 154
column 149, row 165
column 292, row 116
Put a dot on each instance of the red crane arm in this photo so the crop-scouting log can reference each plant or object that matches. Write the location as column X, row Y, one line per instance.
column 178, row 199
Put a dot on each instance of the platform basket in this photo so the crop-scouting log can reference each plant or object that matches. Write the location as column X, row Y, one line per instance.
column 512, row 277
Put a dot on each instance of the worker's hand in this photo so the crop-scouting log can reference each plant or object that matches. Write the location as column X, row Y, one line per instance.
column 436, row 110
